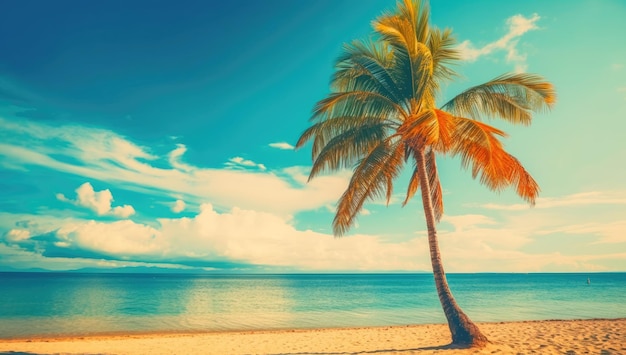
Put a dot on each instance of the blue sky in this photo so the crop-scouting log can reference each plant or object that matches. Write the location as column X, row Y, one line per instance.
column 160, row 134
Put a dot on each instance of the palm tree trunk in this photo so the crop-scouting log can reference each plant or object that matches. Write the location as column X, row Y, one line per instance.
column 464, row 331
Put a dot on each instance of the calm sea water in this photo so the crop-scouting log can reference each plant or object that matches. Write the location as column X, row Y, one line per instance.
column 67, row 303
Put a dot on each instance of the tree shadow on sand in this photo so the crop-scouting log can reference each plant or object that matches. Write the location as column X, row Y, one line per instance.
column 379, row 351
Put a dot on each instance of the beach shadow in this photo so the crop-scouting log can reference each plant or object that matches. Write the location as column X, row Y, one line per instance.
column 18, row 353
column 379, row 351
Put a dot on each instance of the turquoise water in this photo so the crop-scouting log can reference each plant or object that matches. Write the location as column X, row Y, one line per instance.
column 47, row 304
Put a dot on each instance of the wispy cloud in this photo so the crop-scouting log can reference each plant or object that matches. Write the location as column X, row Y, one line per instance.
column 97, row 201
column 517, row 26
column 282, row 145
column 580, row 199
column 463, row 222
column 239, row 162
column 609, row 233
column 103, row 155
column 175, row 158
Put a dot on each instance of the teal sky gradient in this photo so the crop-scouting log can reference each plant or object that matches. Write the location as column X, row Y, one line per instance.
column 161, row 133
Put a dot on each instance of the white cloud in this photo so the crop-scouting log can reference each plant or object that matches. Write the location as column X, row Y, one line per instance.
column 282, row 145
column 517, row 26
column 97, row 201
column 17, row 235
column 463, row 222
column 123, row 211
column 105, row 156
column 475, row 243
column 178, row 206
column 241, row 236
column 175, row 156
column 120, row 238
column 479, row 243
column 609, row 233
column 579, row 199
column 239, row 162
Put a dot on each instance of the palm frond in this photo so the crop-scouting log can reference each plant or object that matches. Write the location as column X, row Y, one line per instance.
column 513, row 97
column 346, row 148
column 418, row 14
column 428, row 128
column 397, row 31
column 365, row 66
column 372, row 178
column 356, row 104
column 422, row 67
column 414, row 184
column 442, row 45
column 336, row 125
column 478, row 146
column 407, row 31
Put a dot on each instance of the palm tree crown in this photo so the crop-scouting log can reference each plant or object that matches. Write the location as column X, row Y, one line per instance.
column 382, row 110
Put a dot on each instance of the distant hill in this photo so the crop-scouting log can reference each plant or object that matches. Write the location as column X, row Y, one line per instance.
column 160, row 270
column 140, row 270
column 12, row 269
column 121, row 270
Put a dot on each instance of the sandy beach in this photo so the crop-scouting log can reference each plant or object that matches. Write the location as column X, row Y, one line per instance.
column 600, row 336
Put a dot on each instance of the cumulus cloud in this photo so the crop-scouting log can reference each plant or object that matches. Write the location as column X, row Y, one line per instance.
column 178, row 206
column 97, row 201
column 242, row 237
column 17, row 235
column 517, row 26
column 282, row 145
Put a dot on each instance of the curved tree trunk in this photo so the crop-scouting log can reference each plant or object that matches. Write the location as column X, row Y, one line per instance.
column 464, row 331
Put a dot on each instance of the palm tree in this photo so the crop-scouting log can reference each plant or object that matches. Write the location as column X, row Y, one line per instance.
column 381, row 114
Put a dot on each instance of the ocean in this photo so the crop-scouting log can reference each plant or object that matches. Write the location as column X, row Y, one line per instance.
column 50, row 304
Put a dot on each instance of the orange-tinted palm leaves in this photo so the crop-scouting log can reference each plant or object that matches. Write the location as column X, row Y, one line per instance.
column 478, row 146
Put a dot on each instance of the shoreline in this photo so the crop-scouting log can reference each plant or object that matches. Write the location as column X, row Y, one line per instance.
column 544, row 336
column 166, row 333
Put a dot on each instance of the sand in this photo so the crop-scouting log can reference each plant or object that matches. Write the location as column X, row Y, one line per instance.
column 599, row 336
